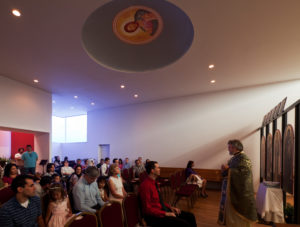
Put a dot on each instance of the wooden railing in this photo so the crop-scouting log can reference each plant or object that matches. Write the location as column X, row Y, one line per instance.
column 212, row 175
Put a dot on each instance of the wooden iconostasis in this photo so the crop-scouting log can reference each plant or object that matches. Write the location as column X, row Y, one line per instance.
column 280, row 153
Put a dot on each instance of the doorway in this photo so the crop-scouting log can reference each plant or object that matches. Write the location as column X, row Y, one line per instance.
column 103, row 151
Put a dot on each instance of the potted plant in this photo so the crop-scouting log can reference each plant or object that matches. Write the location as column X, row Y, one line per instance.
column 289, row 213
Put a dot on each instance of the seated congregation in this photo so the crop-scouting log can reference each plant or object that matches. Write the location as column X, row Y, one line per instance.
column 54, row 198
column 119, row 194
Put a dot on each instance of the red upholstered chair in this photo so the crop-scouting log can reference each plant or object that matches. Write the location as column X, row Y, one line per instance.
column 5, row 195
column 125, row 175
column 187, row 191
column 131, row 210
column 165, row 185
column 179, row 182
column 131, row 173
column 173, row 182
column 111, row 215
column 182, row 189
column 83, row 219
column 183, row 177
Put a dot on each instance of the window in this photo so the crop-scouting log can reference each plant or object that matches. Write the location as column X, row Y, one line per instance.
column 76, row 129
column 58, row 129
column 69, row 129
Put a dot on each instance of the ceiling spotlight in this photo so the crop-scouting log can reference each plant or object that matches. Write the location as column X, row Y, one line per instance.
column 72, row 108
column 16, row 12
column 53, row 102
column 136, row 96
column 92, row 104
column 122, row 86
column 213, row 81
column 35, row 81
column 211, row 66
column 75, row 97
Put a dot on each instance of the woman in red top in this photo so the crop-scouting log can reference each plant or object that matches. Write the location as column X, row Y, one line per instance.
column 10, row 173
column 120, row 163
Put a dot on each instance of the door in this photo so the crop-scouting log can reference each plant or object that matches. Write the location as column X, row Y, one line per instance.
column 104, row 151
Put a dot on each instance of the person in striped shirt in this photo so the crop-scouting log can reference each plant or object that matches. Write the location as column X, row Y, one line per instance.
column 24, row 209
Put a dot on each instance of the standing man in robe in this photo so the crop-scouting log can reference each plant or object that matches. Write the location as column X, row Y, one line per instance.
column 239, row 203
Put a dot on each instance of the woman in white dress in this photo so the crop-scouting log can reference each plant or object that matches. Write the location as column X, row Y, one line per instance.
column 115, row 184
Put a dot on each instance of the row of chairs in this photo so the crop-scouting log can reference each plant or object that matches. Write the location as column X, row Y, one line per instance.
column 130, row 211
column 114, row 214
column 177, row 184
column 111, row 214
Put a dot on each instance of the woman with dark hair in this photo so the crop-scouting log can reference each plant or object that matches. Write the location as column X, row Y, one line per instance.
column 57, row 161
column 10, row 173
column 50, row 170
column 193, row 178
column 120, row 163
column 75, row 177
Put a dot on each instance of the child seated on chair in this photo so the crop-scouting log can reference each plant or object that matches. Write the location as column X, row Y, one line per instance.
column 102, row 185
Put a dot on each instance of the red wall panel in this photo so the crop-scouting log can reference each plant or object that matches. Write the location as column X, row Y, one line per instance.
column 19, row 139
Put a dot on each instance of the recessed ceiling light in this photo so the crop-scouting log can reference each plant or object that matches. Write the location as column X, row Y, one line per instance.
column 211, row 66
column 53, row 102
column 35, row 81
column 92, row 103
column 213, row 81
column 122, row 86
column 72, row 108
column 75, row 97
column 16, row 12
column 136, row 96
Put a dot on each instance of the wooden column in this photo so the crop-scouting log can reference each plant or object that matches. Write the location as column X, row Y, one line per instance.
column 273, row 138
column 283, row 126
column 297, row 165
column 266, row 150
column 261, row 135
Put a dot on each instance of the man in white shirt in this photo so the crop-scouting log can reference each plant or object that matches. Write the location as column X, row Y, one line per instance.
column 105, row 167
column 18, row 158
column 66, row 170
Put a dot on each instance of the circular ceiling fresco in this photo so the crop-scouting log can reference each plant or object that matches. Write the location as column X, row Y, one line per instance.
column 137, row 25
column 137, row 35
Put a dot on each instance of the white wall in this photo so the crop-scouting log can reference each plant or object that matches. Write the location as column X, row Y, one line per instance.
column 5, row 144
column 195, row 128
column 27, row 109
column 24, row 107
column 56, row 150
